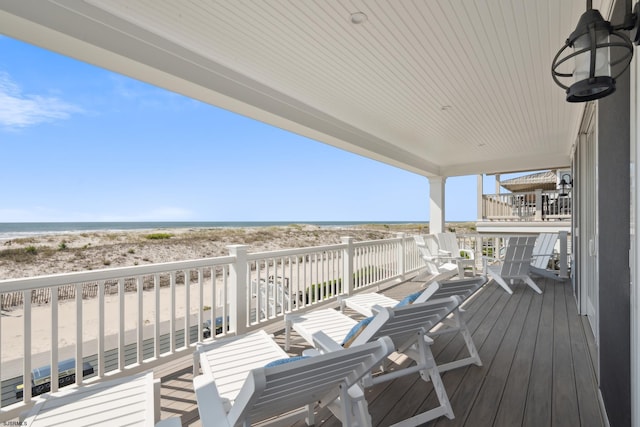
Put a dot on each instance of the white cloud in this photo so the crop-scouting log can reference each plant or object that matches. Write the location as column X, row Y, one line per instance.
column 18, row 110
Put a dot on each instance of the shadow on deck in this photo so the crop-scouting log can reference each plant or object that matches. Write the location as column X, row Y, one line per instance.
column 537, row 369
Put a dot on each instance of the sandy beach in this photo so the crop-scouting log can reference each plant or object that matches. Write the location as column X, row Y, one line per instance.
column 63, row 253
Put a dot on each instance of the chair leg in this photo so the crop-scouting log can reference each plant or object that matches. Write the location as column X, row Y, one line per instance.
column 529, row 281
column 430, row 372
column 287, row 334
column 500, row 281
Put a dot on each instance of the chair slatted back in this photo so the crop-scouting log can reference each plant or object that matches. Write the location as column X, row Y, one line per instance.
column 402, row 323
column 464, row 288
column 449, row 243
column 272, row 391
column 518, row 255
column 427, row 254
column 543, row 250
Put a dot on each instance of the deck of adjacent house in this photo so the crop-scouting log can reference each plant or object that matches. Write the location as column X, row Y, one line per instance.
column 537, row 369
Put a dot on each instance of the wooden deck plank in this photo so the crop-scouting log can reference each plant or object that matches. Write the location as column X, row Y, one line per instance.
column 497, row 323
column 564, row 404
column 512, row 404
column 522, row 380
column 538, row 402
column 485, row 407
column 586, row 385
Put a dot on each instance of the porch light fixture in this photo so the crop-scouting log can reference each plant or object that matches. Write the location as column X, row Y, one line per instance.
column 593, row 41
column 565, row 182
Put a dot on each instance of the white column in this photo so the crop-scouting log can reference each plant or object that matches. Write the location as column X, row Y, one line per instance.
column 497, row 183
column 480, row 193
column 436, row 204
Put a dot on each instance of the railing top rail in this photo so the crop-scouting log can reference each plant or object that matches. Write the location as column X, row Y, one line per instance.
column 377, row 242
column 292, row 252
column 23, row 284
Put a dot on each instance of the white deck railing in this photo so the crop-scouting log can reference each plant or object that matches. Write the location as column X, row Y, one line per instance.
column 126, row 320
column 527, row 206
column 143, row 316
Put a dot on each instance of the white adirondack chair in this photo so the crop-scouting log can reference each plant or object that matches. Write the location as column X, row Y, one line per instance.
column 367, row 303
column 515, row 265
column 542, row 253
column 437, row 267
column 407, row 326
column 239, row 387
column 463, row 257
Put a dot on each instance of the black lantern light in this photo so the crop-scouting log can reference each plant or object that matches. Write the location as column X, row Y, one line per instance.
column 565, row 182
column 595, row 42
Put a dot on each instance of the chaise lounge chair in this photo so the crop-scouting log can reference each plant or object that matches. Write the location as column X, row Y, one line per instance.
column 367, row 303
column 407, row 326
column 515, row 265
column 249, row 378
column 133, row 401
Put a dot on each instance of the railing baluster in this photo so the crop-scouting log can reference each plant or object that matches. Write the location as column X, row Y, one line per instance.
column 54, row 338
column 214, row 303
column 187, row 307
column 101, row 325
column 201, row 304
column 26, row 365
column 172, row 318
column 79, row 338
column 121, row 314
column 140, row 295
column 156, row 326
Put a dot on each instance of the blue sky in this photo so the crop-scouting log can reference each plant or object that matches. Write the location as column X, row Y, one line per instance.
column 79, row 143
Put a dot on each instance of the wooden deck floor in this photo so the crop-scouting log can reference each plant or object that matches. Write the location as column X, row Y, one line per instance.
column 537, row 370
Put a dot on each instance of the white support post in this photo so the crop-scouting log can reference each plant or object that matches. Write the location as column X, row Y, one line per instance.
column 538, row 216
column 402, row 264
column 562, row 235
column 436, row 205
column 238, row 293
column 347, row 260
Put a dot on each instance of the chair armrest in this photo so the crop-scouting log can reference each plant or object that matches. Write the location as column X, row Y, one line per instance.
column 467, row 253
column 322, row 342
column 210, row 404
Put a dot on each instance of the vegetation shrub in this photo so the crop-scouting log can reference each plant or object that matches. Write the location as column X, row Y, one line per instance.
column 158, row 236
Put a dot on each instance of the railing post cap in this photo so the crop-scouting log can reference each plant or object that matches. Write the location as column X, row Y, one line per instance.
column 346, row 239
column 237, row 248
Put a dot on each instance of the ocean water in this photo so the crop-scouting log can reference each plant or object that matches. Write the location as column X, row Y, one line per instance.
column 15, row 230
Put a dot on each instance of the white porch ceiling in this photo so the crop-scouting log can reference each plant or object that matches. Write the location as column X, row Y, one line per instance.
column 437, row 87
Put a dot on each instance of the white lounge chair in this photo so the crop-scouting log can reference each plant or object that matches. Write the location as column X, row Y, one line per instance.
column 130, row 401
column 407, row 326
column 366, row 303
column 249, row 378
column 437, row 266
column 515, row 265
column 463, row 257
column 542, row 253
